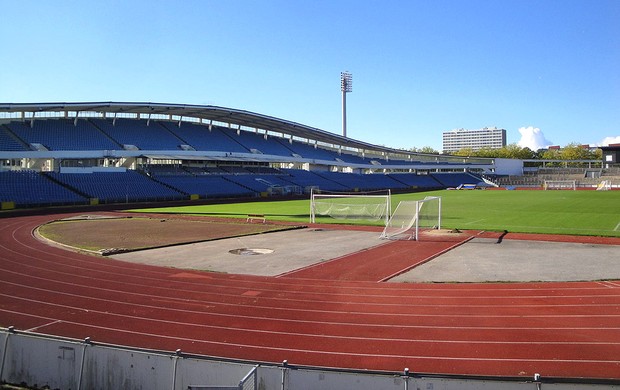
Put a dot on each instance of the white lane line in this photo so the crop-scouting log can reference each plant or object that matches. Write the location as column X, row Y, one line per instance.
column 358, row 338
column 609, row 284
column 359, row 325
column 42, row 326
column 352, row 311
column 452, row 292
column 350, row 353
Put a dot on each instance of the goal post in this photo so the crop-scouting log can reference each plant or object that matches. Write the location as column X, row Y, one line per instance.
column 604, row 185
column 411, row 217
column 371, row 206
column 560, row 185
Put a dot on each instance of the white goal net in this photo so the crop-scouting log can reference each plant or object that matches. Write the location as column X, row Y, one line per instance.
column 560, row 185
column 410, row 217
column 371, row 207
column 605, row 185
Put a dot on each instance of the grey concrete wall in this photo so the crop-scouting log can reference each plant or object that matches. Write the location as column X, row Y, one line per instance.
column 39, row 360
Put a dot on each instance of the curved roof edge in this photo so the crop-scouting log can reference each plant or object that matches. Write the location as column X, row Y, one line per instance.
column 219, row 114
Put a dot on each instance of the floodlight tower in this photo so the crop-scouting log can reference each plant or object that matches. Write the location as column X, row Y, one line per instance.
column 346, row 85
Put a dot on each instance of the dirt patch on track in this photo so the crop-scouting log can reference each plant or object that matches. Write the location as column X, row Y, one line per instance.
column 107, row 235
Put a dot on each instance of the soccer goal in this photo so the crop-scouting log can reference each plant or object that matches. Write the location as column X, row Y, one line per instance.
column 604, row 185
column 370, row 206
column 411, row 217
column 560, row 185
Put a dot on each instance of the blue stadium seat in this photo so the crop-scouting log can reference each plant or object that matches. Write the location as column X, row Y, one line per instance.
column 413, row 180
column 140, row 133
column 62, row 134
column 9, row 142
column 201, row 138
column 29, row 188
column 207, row 186
column 363, row 182
column 455, row 179
column 259, row 183
column 305, row 179
column 308, row 151
column 257, row 142
column 351, row 158
column 118, row 187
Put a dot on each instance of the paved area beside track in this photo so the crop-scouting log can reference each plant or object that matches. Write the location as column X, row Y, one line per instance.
column 478, row 260
column 484, row 260
column 292, row 250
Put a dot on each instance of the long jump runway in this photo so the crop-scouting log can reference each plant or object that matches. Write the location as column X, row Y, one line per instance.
column 557, row 329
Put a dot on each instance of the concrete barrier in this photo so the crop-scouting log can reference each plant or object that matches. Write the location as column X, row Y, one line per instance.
column 61, row 363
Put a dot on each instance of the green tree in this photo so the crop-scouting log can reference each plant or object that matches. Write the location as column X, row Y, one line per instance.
column 508, row 151
column 575, row 151
column 428, row 150
column 465, row 152
column 425, row 149
column 516, row 151
column 486, row 152
column 551, row 154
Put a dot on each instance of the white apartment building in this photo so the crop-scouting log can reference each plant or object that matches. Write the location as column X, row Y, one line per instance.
column 487, row 137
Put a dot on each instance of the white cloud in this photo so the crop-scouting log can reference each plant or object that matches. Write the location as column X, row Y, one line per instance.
column 609, row 140
column 533, row 138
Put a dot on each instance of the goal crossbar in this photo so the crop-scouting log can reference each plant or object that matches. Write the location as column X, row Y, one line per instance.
column 346, row 206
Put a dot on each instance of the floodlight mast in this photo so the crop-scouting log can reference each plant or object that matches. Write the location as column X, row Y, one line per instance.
column 346, row 85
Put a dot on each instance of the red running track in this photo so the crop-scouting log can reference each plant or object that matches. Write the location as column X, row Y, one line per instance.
column 555, row 329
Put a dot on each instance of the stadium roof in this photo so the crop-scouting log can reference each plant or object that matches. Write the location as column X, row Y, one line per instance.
column 213, row 113
column 33, row 111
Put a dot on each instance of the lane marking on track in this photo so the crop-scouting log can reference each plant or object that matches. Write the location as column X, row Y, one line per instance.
column 339, row 353
column 43, row 326
column 278, row 286
column 429, row 258
column 349, row 312
column 358, row 308
column 378, row 326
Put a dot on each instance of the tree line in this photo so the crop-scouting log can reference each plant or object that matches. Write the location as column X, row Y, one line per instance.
column 572, row 151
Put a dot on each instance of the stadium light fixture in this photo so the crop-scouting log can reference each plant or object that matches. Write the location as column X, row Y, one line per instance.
column 346, row 85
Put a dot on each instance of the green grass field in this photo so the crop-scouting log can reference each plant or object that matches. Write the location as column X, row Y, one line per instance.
column 594, row 213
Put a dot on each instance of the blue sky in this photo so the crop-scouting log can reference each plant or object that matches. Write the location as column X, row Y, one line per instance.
column 545, row 70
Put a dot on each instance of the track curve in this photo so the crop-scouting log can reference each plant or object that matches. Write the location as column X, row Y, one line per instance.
column 555, row 329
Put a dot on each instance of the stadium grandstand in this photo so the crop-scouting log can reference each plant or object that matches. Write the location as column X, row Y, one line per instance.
column 90, row 153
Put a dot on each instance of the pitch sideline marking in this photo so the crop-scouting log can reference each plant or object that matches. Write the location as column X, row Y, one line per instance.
column 479, row 220
column 617, row 227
